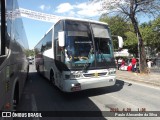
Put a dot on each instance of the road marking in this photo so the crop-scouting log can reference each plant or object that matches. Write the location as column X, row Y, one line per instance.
column 34, row 105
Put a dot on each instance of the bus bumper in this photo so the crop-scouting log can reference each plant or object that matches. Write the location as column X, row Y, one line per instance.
column 88, row 83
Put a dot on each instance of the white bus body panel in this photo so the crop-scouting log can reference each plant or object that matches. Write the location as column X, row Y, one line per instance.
column 48, row 62
column 88, row 83
column 84, row 83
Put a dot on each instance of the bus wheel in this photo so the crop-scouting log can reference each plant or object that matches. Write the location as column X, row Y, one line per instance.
column 27, row 72
column 37, row 67
column 52, row 80
column 15, row 100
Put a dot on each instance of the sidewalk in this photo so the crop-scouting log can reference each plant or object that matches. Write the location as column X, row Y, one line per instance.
column 151, row 78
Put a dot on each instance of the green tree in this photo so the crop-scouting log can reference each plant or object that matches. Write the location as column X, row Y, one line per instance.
column 131, row 43
column 30, row 53
column 151, row 32
column 156, row 33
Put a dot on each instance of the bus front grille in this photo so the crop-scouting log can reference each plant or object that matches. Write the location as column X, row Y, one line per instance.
column 95, row 74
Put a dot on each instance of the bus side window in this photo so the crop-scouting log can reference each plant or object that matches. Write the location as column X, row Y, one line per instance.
column 58, row 51
column 0, row 39
column 2, row 28
column 58, row 27
column 2, row 31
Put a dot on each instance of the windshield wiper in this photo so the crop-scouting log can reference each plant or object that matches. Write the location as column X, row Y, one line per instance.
column 103, row 57
column 87, row 64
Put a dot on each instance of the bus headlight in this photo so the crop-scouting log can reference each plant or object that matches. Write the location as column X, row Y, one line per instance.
column 75, row 75
column 112, row 71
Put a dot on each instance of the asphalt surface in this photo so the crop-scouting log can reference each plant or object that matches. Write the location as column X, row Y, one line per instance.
column 40, row 95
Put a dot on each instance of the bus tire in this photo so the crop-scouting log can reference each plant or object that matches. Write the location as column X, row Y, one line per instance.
column 27, row 72
column 52, row 80
column 15, row 99
column 37, row 68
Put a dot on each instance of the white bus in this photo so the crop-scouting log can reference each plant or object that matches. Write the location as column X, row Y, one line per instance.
column 13, row 61
column 77, row 54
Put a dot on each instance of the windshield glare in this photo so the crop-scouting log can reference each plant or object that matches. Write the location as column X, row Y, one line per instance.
column 77, row 47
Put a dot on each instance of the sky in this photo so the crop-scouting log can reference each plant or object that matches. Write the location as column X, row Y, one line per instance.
column 36, row 29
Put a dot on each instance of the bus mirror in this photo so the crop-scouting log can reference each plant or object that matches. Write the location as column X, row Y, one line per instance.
column 120, row 42
column 61, row 39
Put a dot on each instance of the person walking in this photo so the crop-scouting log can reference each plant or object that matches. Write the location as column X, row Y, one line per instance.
column 134, row 64
column 149, row 64
column 119, row 63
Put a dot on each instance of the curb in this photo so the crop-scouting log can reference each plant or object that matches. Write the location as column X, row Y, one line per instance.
column 139, row 81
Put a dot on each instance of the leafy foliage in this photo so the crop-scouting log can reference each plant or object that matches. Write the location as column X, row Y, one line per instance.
column 30, row 53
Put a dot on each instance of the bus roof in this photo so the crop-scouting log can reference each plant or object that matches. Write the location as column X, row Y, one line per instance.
column 83, row 20
column 76, row 19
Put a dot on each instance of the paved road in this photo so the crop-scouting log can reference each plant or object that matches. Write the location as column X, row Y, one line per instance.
column 40, row 95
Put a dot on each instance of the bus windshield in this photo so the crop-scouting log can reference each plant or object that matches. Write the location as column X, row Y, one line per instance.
column 78, row 43
column 84, row 49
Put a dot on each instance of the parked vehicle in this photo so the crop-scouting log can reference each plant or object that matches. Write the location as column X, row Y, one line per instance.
column 14, row 65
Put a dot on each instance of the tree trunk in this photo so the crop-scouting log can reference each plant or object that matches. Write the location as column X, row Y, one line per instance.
column 142, row 54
